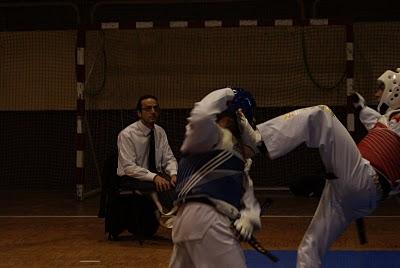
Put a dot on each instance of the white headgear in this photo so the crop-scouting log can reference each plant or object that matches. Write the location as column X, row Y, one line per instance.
column 391, row 93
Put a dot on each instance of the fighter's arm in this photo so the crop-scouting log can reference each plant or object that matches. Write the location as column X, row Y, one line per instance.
column 249, row 220
column 202, row 131
column 250, row 137
column 394, row 122
column 251, row 206
column 394, row 125
column 368, row 116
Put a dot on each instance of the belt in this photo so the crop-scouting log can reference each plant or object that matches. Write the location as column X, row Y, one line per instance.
column 202, row 199
column 382, row 184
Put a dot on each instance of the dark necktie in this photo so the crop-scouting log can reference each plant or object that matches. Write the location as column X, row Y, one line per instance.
column 152, row 152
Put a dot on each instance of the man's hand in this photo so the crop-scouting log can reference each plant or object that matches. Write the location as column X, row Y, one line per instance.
column 173, row 180
column 161, row 184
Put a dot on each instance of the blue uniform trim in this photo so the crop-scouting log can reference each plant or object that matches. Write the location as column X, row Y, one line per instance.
column 217, row 174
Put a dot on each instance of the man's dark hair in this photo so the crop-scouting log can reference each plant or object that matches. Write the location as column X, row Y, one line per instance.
column 139, row 103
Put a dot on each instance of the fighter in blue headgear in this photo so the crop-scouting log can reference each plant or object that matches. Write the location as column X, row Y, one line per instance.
column 213, row 185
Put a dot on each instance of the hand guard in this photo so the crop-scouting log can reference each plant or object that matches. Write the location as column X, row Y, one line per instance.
column 244, row 227
column 357, row 100
column 250, row 137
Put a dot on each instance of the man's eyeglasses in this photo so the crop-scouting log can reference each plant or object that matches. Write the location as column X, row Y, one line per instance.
column 156, row 108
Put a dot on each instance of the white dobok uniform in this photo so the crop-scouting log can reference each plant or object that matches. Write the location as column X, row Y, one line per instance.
column 353, row 194
column 202, row 236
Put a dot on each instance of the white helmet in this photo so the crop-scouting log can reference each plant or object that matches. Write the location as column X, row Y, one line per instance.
column 390, row 99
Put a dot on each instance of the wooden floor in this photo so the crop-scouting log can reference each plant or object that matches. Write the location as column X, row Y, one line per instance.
column 54, row 230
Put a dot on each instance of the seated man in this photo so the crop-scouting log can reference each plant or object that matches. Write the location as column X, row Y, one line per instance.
column 364, row 174
column 145, row 160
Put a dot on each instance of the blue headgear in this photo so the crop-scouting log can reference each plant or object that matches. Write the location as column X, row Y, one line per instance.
column 245, row 101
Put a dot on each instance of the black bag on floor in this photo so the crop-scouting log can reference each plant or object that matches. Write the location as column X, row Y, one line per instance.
column 124, row 209
column 132, row 212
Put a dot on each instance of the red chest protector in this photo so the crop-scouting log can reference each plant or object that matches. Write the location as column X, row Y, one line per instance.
column 381, row 146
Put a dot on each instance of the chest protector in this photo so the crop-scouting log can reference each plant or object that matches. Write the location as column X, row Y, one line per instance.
column 217, row 174
column 381, row 147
